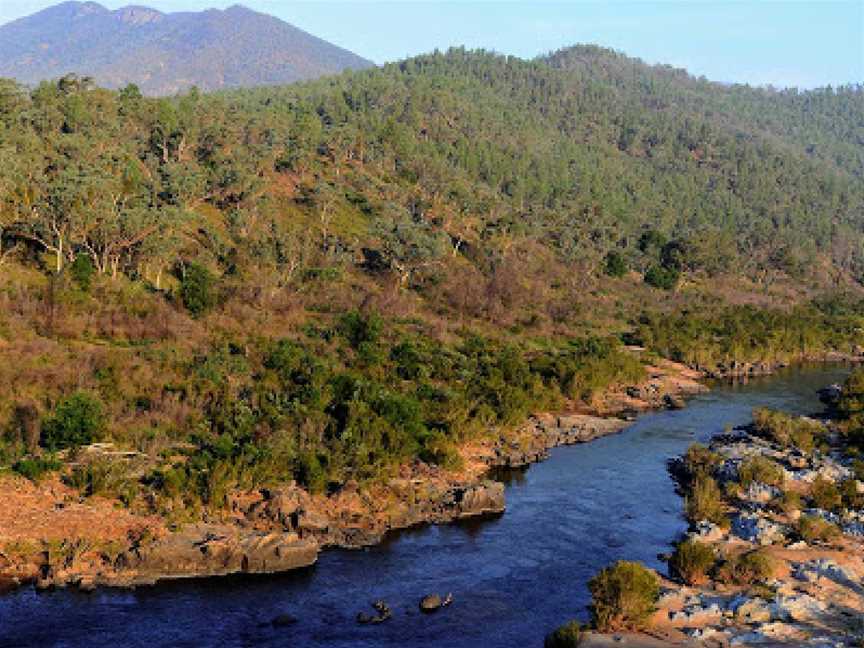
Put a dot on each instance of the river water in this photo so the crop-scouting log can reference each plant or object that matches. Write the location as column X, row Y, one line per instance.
column 513, row 577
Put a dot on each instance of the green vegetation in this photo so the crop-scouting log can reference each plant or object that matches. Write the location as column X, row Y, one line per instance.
column 614, row 264
column 704, row 501
column 692, row 561
column 324, row 281
column 731, row 335
column 197, row 290
column 788, row 431
column 77, row 421
column 814, row 529
column 762, row 470
column 82, row 272
column 825, row 494
column 623, row 597
column 36, row 468
column 660, row 277
column 750, row 568
column 568, row 635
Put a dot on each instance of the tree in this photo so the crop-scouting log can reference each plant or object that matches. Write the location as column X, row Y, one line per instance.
column 623, row 596
column 408, row 245
column 198, row 289
column 76, row 422
column 614, row 265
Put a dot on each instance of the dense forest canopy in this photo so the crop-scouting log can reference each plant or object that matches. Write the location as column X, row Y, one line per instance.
column 582, row 152
column 321, row 280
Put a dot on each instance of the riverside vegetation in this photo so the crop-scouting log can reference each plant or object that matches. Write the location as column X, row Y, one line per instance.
column 326, row 282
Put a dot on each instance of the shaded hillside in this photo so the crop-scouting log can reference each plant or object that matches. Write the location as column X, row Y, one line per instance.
column 165, row 53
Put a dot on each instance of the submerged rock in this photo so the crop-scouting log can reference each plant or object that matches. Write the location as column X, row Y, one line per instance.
column 283, row 620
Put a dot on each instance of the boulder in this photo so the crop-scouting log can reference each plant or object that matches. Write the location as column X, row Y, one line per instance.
column 430, row 603
column 673, row 401
column 217, row 550
column 706, row 531
column 753, row 611
column 754, row 528
column 486, row 497
column 761, row 493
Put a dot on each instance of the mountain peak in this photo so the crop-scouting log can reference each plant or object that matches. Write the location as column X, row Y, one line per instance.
column 166, row 53
column 137, row 15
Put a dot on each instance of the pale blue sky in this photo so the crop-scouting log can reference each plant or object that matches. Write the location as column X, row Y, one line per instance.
column 802, row 43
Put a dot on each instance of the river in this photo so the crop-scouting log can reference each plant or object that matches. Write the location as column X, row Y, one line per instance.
column 513, row 577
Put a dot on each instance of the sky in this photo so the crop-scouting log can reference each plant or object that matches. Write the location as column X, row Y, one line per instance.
column 802, row 43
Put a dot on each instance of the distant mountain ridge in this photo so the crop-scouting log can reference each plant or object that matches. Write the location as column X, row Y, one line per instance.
column 166, row 53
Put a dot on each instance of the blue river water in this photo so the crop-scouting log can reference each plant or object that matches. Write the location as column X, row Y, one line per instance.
column 513, row 577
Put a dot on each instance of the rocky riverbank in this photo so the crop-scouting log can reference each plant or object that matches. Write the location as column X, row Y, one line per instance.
column 93, row 542
column 787, row 558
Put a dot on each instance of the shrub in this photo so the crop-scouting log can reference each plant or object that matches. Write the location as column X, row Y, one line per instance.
column 825, row 494
column 614, row 265
column 35, row 468
column 760, row 469
column 788, row 502
column 82, row 272
column 568, row 635
column 660, row 277
column 692, row 561
column 197, row 290
column 623, row 596
column 852, row 499
column 360, row 329
column 103, row 478
column 699, row 460
column 705, row 502
column 812, row 529
column 748, row 568
column 786, row 430
column 76, row 422
column 852, row 398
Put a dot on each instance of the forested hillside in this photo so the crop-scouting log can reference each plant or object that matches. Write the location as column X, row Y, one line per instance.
column 319, row 281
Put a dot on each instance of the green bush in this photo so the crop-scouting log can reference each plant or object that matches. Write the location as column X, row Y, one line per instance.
column 660, row 277
column 105, row 478
column 852, row 499
column 700, row 461
column 692, row 561
column 748, row 569
column 35, row 468
column 812, row 529
column 623, row 596
column 568, row 635
column 82, row 271
column 852, row 398
column 788, row 502
column 360, row 329
column 825, row 494
column 77, row 421
column 788, row 431
column 614, row 265
column 705, row 502
column 198, row 290
column 762, row 470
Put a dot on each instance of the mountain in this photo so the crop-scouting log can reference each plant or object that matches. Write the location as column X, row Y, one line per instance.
column 165, row 53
